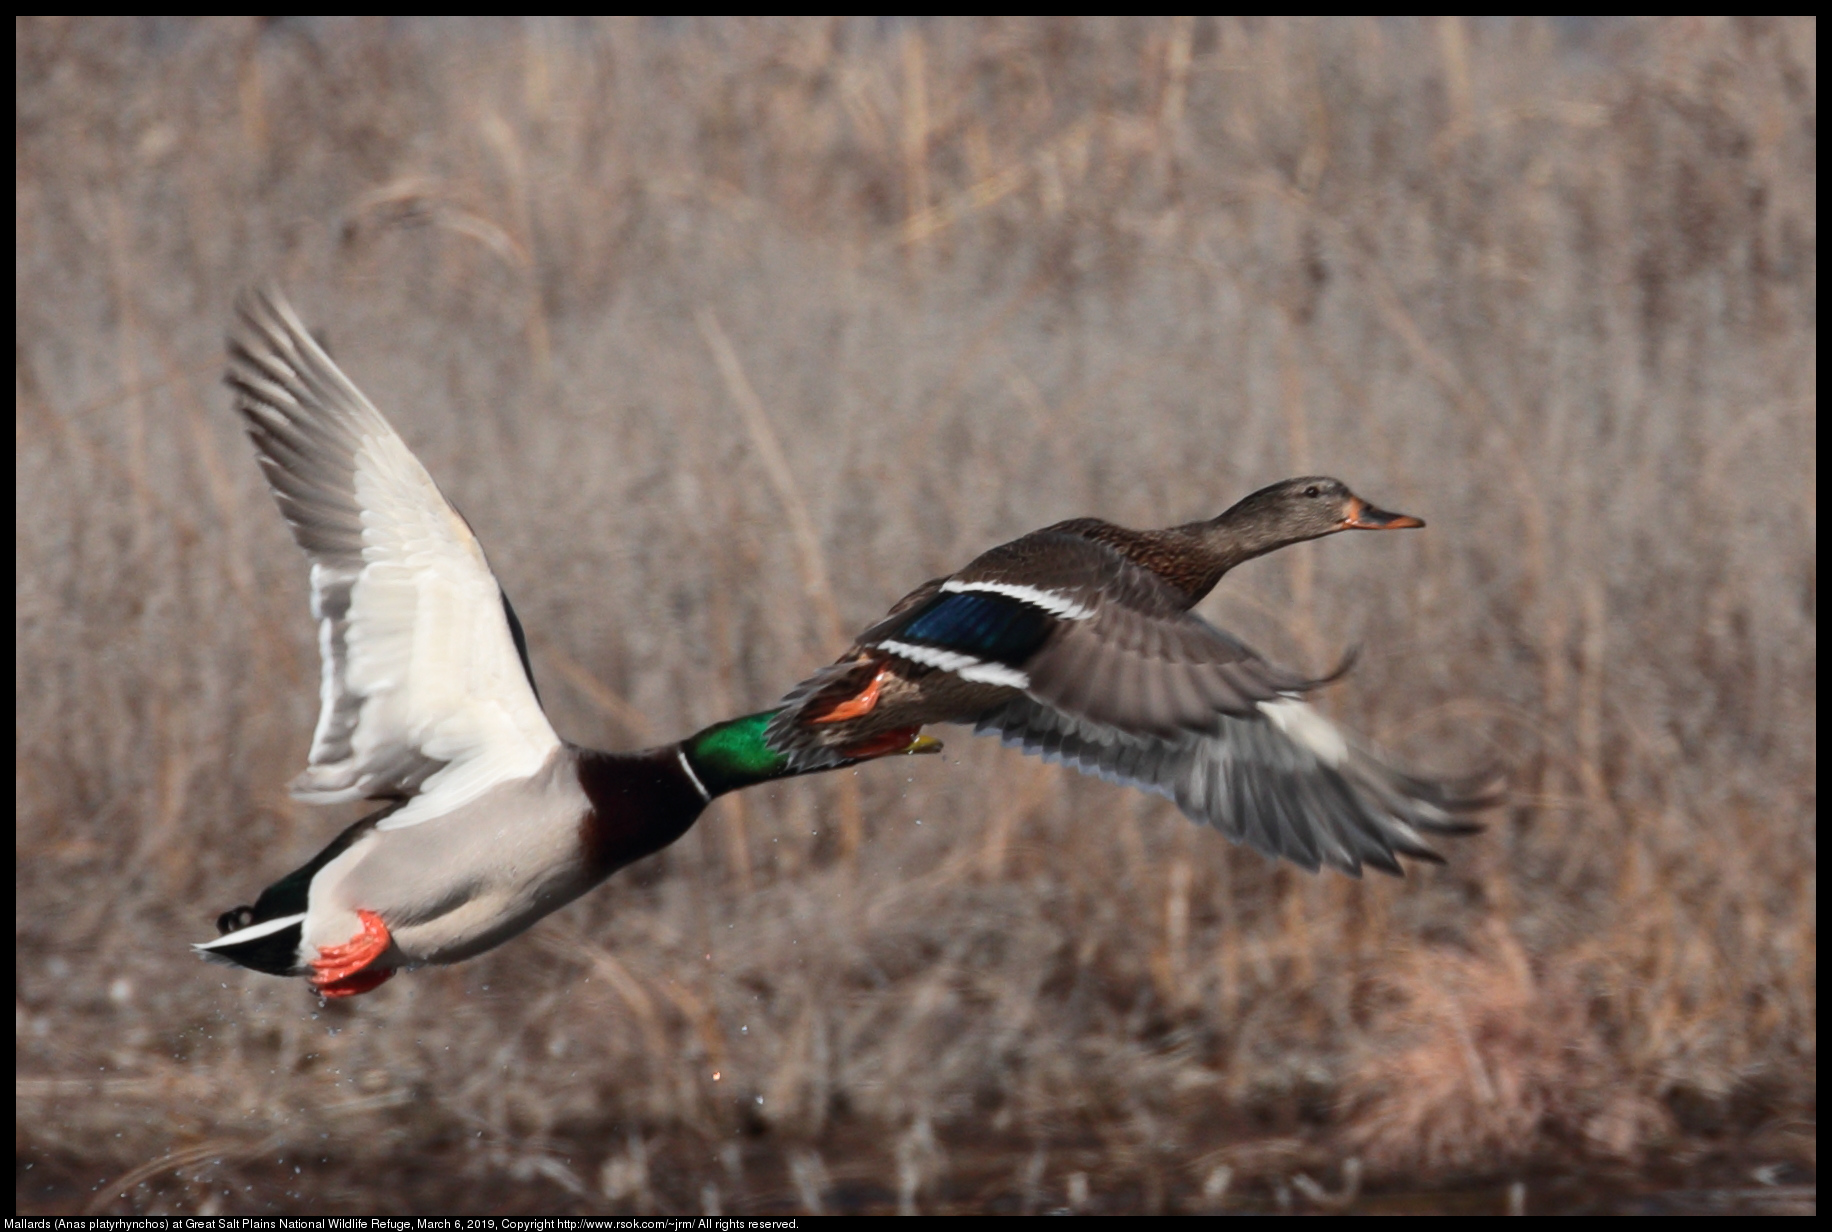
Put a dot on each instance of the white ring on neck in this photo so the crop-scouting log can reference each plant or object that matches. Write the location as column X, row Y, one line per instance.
column 693, row 778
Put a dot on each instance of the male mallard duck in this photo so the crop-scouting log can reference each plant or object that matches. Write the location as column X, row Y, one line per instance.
column 429, row 703
column 1076, row 642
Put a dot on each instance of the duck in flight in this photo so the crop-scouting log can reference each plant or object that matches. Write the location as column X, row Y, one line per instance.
column 1077, row 643
column 488, row 820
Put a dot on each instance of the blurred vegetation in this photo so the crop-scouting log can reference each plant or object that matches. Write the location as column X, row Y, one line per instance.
column 1550, row 286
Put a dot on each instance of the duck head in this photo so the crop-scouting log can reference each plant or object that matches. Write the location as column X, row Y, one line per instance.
column 1307, row 508
column 1288, row 512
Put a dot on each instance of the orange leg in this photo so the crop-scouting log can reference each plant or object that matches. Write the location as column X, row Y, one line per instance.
column 343, row 970
column 853, row 707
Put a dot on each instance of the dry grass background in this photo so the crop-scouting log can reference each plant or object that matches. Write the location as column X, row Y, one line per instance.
column 724, row 334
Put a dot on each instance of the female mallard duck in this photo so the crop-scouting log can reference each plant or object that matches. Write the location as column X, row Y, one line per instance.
column 429, row 703
column 1076, row 642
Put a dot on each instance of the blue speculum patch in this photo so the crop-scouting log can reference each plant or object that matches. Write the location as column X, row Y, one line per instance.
column 992, row 628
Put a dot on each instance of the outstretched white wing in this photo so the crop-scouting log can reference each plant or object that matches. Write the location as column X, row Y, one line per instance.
column 425, row 692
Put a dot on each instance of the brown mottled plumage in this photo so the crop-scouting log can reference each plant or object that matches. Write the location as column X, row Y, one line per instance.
column 1077, row 642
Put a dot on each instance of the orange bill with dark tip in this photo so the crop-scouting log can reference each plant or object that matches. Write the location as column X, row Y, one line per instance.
column 901, row 740
column 1363, row 516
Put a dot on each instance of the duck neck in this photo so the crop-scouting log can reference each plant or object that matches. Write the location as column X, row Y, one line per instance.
column 641, row 802
column 1232, row 538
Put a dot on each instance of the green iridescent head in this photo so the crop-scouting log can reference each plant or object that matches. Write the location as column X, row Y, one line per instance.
column 734, row 754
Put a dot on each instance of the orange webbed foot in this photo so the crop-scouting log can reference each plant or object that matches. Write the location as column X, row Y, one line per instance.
column 862, row 703
column 344, row 970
